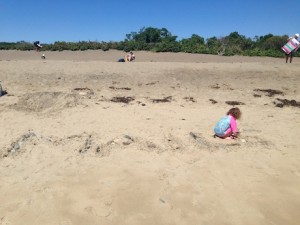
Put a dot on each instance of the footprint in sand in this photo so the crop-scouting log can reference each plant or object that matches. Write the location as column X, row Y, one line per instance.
column 65, row 222
column 4, row 221
column 99, row 211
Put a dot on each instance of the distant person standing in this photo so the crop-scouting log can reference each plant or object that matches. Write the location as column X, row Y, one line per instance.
column 292, row 43
column 37, row 46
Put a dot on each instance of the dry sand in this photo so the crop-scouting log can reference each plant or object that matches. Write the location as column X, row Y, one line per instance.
column 70, row 153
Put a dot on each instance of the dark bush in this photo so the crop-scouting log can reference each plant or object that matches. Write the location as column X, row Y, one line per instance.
column 161, row 40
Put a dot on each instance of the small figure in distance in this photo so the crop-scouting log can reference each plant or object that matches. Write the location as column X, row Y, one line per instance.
column 37, row 45
column 128, row 58
column 226, row 127
column 295, row 41
column 0, row 89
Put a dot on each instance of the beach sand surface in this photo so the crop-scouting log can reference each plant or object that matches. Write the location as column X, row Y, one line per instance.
column 87, row 140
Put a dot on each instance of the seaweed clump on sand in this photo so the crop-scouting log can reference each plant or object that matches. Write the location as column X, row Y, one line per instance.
column 163, row 100
column 120, row 88
column 213, row 101
column 215, row 86
column 189, row 99
column 270, row 92
column 233, row 103
column 125, row 100
column 285, row 102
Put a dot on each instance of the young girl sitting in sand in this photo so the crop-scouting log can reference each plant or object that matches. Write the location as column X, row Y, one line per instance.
column 226, row 127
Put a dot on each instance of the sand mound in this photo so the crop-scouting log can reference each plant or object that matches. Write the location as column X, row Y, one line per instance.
column 45, row 101
column 51, row 101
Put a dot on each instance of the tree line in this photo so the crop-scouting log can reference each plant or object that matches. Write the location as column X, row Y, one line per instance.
column 162, row 40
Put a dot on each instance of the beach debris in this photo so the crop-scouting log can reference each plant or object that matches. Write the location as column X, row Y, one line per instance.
column 224, row 86
column 189, row 99
column 123, row 99
column 270, row 92
column 215, row 86
column 228, row 87
column 163, row 100
column 285, row 102
column 175, row 143
column 141, row 103
column 151, row 145
column 193, row 135
column 162, row 201
column 256, row 96
column 152, row 83
column 90, row 145
column 87, row 145
column 120, row 88
column 233, row 103
column 124, row 140
column 213, row 101
column 16, row 145
column 84, row 91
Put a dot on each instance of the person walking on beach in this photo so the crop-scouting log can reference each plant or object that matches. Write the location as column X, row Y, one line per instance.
column 37, row 46
column 226, row 127
column 295, row 42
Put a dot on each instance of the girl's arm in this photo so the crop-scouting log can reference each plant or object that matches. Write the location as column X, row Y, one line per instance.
column 233, row 126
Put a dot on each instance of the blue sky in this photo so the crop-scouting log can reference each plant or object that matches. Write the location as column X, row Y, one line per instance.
column 111, row 20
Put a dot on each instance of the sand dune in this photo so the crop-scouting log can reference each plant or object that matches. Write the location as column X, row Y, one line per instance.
column 87, row 140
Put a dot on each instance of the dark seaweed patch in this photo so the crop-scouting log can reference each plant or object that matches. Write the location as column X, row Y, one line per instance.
column 152, row 83
column 270, row 92
column 163, row 100
column 215, row 86
column 213, row 101
column 82, row 89
column 122, row 99
column 285, row 102
column 233, row 103
column 189, row 99
column 120, row 88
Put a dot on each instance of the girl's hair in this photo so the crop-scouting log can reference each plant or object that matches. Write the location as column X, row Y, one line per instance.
column 235, row 112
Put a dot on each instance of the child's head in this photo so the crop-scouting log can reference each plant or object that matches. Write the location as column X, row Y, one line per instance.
column 235, row 112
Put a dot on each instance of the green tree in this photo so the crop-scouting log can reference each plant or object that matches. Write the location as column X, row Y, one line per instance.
column 161, row 40
column 194, row 44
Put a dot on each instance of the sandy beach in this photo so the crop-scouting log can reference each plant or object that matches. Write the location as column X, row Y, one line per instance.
column 87, row 140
